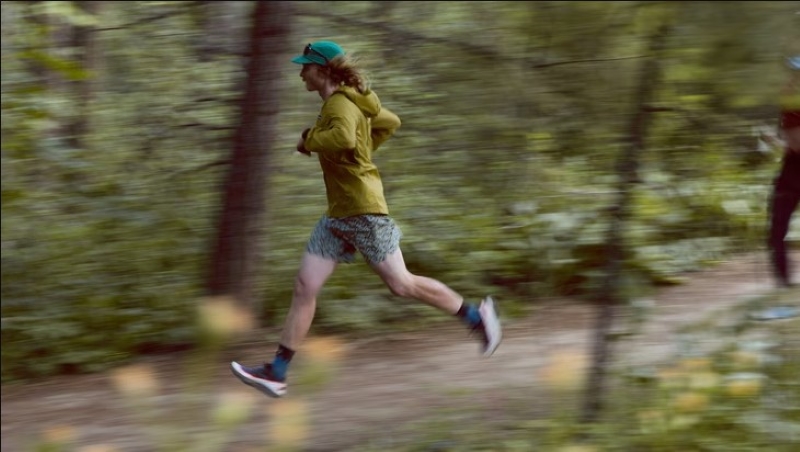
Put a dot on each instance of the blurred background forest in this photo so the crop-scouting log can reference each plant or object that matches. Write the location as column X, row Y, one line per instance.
column 118, row 121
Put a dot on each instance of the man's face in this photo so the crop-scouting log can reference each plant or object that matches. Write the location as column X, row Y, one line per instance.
column 312, row 76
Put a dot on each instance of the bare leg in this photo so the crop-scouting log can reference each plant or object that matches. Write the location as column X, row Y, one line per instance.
column 314, row 271
column 403, row 283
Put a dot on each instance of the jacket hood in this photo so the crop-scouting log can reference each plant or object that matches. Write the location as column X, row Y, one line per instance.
column 367, row 102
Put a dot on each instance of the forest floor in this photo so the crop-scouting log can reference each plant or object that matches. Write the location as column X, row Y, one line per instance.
column 384, row 392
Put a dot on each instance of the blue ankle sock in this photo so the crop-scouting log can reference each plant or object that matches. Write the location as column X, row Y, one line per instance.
column 280, row 364
column 279, row 368
column 469, row 314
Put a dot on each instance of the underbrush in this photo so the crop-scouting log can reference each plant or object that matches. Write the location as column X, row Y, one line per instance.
column 741, row 395
column 744, row 395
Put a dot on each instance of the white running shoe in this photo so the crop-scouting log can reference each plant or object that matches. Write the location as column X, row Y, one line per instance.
column 492, row 331
column 261, row 378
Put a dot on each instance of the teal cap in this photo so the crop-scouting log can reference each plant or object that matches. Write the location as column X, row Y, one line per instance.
column 320, row 52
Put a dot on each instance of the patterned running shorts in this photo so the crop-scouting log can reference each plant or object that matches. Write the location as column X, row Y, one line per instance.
column 374, row 236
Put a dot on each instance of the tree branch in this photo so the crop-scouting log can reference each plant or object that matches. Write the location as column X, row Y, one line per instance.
column 144, row 20
column 478, row 50
column 206, row 126
column 202, row 167
column 589, row 60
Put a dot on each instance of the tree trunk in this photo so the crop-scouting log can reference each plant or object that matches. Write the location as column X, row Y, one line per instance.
column 55, row 37
column 84, row 39
column 236, row 251
column 627, row 168
column 220, row 31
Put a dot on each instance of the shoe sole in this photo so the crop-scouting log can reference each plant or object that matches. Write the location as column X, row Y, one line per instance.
column 270, row 388
column 491, row 325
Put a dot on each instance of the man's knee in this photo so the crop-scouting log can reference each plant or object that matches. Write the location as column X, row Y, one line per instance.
column 304, row 290
column 401, row 287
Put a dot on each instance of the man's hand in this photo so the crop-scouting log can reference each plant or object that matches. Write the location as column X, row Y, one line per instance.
column 301, row 144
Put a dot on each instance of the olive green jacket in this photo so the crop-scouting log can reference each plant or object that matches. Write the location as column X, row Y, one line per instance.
column 350, row 127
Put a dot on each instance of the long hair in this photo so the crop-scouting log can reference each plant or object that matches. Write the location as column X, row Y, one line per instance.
column 344, row 70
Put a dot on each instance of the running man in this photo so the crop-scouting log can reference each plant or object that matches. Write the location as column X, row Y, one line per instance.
column 350, row 127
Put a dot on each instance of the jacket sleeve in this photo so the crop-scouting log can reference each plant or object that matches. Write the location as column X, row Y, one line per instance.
column 383, row 127
column 335, row 130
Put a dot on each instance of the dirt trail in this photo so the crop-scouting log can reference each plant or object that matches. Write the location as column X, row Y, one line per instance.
column 384, row 386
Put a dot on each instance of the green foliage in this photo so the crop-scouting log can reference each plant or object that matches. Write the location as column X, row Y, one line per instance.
column 500, row 178
column 102, row 247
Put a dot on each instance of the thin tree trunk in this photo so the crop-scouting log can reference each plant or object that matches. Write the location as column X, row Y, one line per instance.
column 56, row 37
column 627, row 171
column 236, row 251
column 221, row 33
column 85, row 39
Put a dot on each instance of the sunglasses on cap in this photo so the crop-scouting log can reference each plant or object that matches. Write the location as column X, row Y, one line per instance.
column 308, row 49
